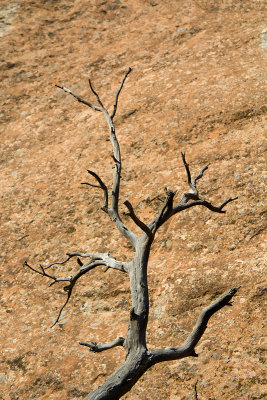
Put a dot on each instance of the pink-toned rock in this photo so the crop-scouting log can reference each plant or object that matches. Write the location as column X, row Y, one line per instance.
column 197, row 86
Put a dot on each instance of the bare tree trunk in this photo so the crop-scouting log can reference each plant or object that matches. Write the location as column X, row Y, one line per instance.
column 138, row 358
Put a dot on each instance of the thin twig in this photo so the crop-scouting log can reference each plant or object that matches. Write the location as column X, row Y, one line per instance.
column 118, row 93
column 80, row 99
column 96, row 95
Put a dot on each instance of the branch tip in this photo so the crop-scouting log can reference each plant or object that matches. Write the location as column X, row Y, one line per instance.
column 118, row 93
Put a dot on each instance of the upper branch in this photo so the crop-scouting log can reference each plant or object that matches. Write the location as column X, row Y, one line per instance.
column 96, row 95
column 165, row 212
column 188, row 348
column 118, row 93
column 189, row 199
column 138, row 222
column 113, row 211
column 192, row 182
column 206, row 314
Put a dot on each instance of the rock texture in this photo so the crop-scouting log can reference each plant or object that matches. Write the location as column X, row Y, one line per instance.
column 197, row 86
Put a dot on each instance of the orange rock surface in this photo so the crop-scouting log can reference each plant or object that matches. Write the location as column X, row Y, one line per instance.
column 199, row 70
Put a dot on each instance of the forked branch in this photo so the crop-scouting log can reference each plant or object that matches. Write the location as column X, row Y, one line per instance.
column 96, row 260
column 189, row 199
column 113, row 210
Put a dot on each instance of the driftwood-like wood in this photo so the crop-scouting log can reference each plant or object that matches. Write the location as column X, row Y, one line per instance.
column 138, row 357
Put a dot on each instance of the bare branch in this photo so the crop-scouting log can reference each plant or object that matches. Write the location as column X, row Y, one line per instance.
column 168, row 210
column 69, row 288
column 105, row 259
column 95, row 260
column 206, row 314
column 80, row 99
column 61, row 310
column 43, row 273
column 97, row 348
column 113, row 212
column 118, row 93
column 58, row 263
column 218, row 209
column 188, row 348
column 186, row 168
column 96, row 95
column 192, row 182
column 165, row 212
column 91, row 184
column 101, row 186
column 138, row 222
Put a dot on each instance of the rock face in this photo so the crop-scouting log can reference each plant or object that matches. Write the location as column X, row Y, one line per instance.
column 197, row 86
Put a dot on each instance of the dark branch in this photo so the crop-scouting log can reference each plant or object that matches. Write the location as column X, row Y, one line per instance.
column 192, row 182
column 165, row 212
column 62, row 308
column 43, row 273
column 95, row 260
column 96, row 95
column 118, row 93
column 218, row 209
column 69, row 288
column 168, row 210
column 138, row 222
column 97, row 348
column 186, row 168
column 91, row 184
column 58, row 263
column 188, row 348
column 100, row 186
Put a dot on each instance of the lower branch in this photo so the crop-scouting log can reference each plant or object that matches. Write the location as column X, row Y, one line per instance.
column 188, row 348
column 140, row 360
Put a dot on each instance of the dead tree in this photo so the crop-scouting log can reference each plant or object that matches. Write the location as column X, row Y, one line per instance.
column 138, row 357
